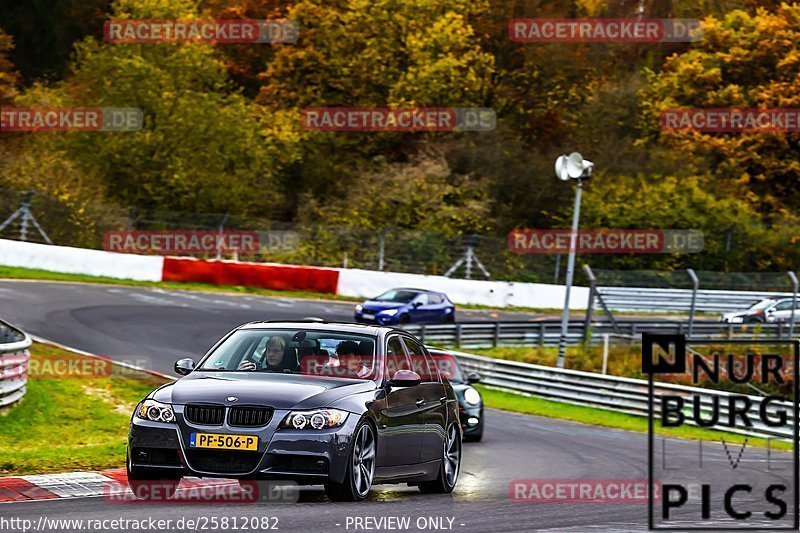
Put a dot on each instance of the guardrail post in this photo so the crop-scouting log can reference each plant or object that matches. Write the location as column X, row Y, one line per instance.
column 496, row 342
column 633, row 329
column 458, row 335
column 587, row 323
column 542, row 331
column 793, row 277
column 422, row 334
column 695, row 285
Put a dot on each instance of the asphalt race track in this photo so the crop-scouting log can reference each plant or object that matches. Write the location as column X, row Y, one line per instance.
column 155, row 327
column 164, row 325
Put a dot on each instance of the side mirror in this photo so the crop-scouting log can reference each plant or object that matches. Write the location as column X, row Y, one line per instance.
column 405, row 378
column 184, row 366
column 416, row 304
column 473, row 377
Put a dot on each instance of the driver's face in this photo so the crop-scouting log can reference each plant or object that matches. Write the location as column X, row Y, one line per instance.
column 274, row 355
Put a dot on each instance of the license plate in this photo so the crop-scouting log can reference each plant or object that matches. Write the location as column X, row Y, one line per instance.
column 368, row 316
column 223, row 442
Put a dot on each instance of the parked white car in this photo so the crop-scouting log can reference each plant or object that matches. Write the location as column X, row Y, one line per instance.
column 765, row 311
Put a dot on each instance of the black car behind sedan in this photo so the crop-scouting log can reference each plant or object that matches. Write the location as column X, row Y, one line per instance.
column 316, row 403
column 470, row 402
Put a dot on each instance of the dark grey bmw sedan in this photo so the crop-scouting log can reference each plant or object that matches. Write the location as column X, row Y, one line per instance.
column 343, row 405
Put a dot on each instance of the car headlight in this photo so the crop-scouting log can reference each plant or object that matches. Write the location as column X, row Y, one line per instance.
column 736, row 320
column 359, row 308
column 471, row 396
column 317, row 419
column 390, row 312
column 156, row 411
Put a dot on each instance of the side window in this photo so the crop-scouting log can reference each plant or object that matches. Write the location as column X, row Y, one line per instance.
column 436, row 299
column 395, row 357
column 784, row 306
column 422, row 299
column 420, row 361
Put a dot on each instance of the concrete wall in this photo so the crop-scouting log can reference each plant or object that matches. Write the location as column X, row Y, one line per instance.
column 369, row 283
column 80, row 261
column 351, row 282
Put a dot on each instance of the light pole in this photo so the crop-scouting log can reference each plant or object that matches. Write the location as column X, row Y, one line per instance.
column 577, row 168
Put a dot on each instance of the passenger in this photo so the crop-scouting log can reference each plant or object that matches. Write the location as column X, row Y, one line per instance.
column 349, row 360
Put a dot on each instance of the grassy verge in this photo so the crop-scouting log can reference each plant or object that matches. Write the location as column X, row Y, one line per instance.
column 531, row 405
column 46, row 275
column 70, row 423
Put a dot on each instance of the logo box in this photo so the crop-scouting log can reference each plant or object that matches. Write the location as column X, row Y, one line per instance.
column 668, row 355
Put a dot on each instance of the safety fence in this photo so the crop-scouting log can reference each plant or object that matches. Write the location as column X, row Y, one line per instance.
column 14, row 358
column 547, row 332
column 625, row 395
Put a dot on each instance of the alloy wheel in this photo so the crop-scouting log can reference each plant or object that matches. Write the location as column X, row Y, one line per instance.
column 363, row 460
column 452, row 456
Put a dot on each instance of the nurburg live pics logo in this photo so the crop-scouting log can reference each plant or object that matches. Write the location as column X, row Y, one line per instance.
column 724, row 498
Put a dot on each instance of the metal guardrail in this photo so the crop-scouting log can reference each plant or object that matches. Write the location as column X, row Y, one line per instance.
column 547, row 332
column 14, row 358
column 625, row 395
column 635, row 299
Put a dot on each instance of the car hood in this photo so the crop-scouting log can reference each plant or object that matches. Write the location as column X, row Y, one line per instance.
column 280, row 391
column 382, row 306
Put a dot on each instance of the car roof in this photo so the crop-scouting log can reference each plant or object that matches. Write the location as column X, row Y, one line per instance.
column 413, row 290
column 340, row 327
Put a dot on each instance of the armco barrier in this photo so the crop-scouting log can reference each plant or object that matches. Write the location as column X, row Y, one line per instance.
column 14, row 358
column 680, row 300
column 612, row 393
column 263, row 275
column 548, row 332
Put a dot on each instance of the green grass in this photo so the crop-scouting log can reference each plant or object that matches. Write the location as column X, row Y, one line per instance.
column 66, row 424
column 531, row 405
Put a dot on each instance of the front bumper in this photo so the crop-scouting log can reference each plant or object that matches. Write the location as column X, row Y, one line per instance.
column 381, row 320
column 305, row 456
column 465, row 413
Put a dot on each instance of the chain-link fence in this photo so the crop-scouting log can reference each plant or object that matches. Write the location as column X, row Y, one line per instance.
column 392, row 249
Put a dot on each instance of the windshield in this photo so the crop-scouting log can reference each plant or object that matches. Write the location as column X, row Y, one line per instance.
column 397, row 296
column 763, row 304
column 449, row 367
column 312, row 353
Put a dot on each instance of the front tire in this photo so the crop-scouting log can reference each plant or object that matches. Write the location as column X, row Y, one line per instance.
column 360, row 468
column 149, row 487
column 450, row 467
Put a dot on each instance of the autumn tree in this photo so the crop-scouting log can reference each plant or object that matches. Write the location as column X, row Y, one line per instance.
column 201, row 148
column 743, row 61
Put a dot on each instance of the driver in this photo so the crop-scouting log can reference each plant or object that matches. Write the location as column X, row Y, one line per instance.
column 272, row 358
